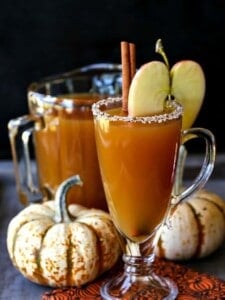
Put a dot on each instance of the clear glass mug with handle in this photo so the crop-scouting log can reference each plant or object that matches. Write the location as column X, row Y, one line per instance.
column 58, row 135
column 138, row 158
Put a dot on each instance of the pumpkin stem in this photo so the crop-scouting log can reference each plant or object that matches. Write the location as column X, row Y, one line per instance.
column 61, row 212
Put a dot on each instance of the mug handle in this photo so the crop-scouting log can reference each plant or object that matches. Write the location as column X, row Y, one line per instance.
column 206, row 168
column 20, row 131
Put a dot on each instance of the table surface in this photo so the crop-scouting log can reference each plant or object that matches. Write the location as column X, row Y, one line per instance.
column 14, row 286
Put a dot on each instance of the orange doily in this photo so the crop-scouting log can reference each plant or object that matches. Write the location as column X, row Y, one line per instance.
column 192, row 285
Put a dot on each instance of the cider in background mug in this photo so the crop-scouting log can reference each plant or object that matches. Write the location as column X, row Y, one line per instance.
column 60, row 123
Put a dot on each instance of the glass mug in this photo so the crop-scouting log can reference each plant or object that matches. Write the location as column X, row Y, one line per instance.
column 60, row 122
column 138, row 158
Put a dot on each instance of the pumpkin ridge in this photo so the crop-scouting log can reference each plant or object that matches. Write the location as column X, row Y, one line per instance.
column 200, row 230
column 14, row 241
column 214, row 203
column 69, row 275
column 39, row 270
column 16, row 232
column 98, row 246
column 101, row 248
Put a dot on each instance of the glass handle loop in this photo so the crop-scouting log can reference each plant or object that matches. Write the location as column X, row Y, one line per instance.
column 20, row 132
column 208, row 163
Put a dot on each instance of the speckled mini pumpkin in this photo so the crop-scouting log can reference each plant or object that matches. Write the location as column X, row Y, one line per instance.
column 195, row 229
column 53, row 247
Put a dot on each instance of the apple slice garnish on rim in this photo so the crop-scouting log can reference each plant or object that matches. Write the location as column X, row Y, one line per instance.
column 188, row 88
column 154, row 83
column 149, row 89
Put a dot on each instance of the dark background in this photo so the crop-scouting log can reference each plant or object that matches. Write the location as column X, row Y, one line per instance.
column 46, row 37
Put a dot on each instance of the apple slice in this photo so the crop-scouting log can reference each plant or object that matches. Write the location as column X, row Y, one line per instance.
column 151, row 86
column 188, row 88
column 155, row 82
column 149, row 89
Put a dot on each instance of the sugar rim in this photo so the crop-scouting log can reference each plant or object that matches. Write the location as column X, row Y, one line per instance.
column 99, row 114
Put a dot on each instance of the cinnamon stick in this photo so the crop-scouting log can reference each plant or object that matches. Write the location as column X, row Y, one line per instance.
column 125, row 60
column 132, row 60
column 128, row 54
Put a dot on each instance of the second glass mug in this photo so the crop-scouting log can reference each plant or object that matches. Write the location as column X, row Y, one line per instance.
column 60, row 123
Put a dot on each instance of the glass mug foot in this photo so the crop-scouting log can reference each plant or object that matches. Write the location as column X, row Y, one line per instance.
column 139, row 282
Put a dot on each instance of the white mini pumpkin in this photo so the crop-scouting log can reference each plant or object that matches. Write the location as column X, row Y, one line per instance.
column 195, row 229
column 51, row 247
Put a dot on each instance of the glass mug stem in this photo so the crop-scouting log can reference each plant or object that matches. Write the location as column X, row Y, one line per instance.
column 132, row 283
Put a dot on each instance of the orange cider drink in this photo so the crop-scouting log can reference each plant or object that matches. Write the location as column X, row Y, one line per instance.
column 65, row 145
column 137, row 159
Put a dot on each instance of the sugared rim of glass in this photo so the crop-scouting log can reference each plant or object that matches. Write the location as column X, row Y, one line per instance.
column 99, row 111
